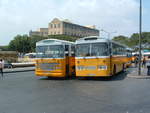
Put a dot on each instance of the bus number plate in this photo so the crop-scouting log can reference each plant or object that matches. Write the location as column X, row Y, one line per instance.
column 91, row 74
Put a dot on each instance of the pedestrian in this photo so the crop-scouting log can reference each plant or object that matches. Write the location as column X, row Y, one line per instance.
column 144, row 62
column 148, row 66
column 136, row 61
column 1, row 66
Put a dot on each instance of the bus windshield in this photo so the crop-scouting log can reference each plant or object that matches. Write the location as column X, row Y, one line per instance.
column 50, row 51
column 83, row 50
column 94, row 49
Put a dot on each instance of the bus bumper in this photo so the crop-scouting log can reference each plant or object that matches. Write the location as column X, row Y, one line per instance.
column 48, row 74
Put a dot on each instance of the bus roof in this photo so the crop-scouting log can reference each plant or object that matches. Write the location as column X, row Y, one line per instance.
column 91, row 39
column 95, row 39
column 54, row 42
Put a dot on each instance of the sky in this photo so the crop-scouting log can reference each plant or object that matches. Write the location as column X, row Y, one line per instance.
column 119, row 16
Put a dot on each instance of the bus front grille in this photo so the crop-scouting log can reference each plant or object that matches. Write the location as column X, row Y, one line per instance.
column 48, row 66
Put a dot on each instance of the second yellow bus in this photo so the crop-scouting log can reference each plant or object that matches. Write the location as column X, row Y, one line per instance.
column 99, row 57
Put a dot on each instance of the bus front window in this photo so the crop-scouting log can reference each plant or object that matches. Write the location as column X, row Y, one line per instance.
column 83, row 50
column 51, row 51
column 94, row 49
column 99, row 49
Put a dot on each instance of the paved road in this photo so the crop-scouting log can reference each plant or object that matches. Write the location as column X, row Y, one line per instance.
column 24, row 93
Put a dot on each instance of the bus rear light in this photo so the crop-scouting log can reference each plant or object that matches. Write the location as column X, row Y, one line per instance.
column 101, row 67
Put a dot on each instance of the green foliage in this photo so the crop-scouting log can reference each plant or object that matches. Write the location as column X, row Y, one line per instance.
column 121, row 39
column 20, row 44
column 25, row 44
column 133, row 41
column 63, row 37
column 33, row 41
column 4, row 48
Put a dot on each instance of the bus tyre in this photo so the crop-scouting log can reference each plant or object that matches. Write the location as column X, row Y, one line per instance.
column 114, row 70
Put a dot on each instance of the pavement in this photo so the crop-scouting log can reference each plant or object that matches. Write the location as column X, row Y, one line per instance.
column 19, row 69
column 134, row 73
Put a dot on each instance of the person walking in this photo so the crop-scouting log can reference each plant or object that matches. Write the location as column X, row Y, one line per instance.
column 148, row 66
column 1, row 66
column 136, row 61
column 144, row 62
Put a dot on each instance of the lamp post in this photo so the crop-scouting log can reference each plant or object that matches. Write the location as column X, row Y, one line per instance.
column 109, row 33
column 140, row 36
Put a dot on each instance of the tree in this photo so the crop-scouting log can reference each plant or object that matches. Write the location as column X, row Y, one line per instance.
column 121, row 39
column 133, row 41
column 63, row 37
column 20, row 44
column 4, row 48
column 33, row 41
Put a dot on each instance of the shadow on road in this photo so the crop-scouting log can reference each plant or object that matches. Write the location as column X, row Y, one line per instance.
column 56, row 78
column 117, row 77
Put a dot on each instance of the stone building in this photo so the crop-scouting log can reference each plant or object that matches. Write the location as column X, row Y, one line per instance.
column 40, row 32
column 64, row 27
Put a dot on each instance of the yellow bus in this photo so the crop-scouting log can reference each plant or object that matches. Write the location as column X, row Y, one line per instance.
column 55, row 58
column 128, row 59
column 99, row 57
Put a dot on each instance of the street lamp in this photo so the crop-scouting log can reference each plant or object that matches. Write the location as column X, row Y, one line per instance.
column 140, row 36
column 109, row 33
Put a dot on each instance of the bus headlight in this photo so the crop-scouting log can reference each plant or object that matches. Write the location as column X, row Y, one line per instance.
column 101, row 67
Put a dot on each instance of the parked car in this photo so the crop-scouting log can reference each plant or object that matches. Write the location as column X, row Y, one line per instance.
column 7, row 65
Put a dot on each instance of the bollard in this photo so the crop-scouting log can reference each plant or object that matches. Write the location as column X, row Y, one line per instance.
column 148, row 70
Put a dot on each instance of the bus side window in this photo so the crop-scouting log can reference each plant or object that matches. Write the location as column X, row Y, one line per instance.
column 66, row 50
